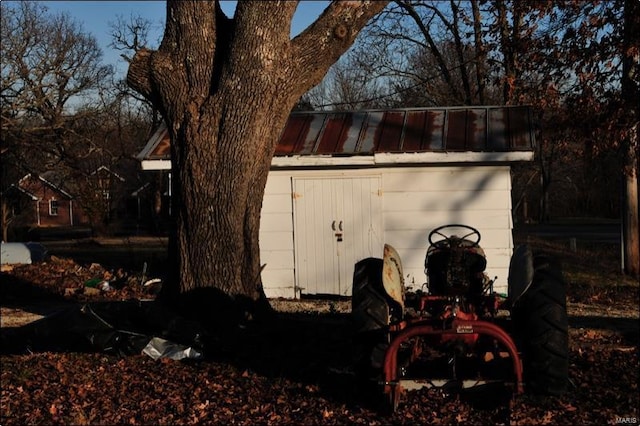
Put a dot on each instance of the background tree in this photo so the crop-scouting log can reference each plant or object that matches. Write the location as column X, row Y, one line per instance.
column 434, row 53
column 49, row 67
column 118, row 127
column 600, row 51
column 63, row 111
column 225, row 87
column 129, row 35
column 50, row 71
column 563, row 58
column 630, row 136
column 348, row 86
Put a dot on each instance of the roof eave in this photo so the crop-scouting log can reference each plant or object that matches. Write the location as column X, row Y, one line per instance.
column 155, row 164
column 380, row 159
column 152, row 143
column 453, row 157
column 399, row 159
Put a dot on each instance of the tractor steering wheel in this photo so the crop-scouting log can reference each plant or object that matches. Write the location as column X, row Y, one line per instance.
column 438, row 231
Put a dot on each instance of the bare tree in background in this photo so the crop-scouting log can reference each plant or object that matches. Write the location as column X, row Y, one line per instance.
column 433, row 52
column 129, row 35
column 50, row 74
column 49, row 66
column 348, row 86
column 564, row 58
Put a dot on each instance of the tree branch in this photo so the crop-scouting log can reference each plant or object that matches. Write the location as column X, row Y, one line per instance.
column 323, row 42
column 139, row 74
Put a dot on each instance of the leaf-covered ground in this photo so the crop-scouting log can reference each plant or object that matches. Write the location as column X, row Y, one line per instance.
column 296, row 370
column 292, row 378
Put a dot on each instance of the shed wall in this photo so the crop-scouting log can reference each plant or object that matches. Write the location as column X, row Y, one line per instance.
column 276, row 237
column 415, row 200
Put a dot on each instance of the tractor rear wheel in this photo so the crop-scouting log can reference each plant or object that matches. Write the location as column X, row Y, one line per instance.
column 541, row 325
column 370, row 315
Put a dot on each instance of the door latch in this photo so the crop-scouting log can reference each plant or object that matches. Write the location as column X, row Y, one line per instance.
column 339, row 233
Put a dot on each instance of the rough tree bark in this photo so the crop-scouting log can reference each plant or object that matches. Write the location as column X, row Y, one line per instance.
column 225, row 88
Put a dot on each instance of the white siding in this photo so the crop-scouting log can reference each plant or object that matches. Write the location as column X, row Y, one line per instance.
column 276, row 237
column 415, row 200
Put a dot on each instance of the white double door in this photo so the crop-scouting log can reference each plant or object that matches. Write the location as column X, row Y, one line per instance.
column 337, row 222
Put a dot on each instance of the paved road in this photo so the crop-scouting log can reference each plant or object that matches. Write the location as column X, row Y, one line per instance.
column 607, row 232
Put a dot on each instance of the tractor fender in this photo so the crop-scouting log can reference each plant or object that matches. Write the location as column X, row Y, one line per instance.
column 520, row 273
column 392, row 275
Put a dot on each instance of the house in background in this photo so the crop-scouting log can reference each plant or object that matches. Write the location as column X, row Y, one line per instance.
column 55, row 204
column 107, row 188
column 51, row 205
column 342, row 184
column 106, row 182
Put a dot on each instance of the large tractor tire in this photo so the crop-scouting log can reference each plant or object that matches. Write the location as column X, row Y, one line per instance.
column 370, row 315
column 541, row 327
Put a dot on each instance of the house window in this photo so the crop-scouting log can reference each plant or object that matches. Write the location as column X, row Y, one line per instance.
column 53, row 207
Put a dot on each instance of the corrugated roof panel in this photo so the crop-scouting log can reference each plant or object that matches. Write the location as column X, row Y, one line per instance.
column 292, row 135
column 334, row 134
column 520, row 128
column 477, row 129
column 369, row 131
column 308, row 141
column 498, row 137
column 456, row 130
column 353, row 132
column 434, row 132
column 414, row 131
column 391, row 132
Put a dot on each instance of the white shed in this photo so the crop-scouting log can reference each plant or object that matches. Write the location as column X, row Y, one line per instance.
column 344, row 183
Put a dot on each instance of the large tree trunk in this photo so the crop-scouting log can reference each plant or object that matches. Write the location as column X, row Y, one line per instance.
column 225, row 88
column 630, row 227
column 4, row 204
column 217, row 202
column 631, row 137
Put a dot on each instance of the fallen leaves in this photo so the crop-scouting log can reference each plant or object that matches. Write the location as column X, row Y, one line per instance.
column 294, row 372
column 104, row 389
column 68, row 280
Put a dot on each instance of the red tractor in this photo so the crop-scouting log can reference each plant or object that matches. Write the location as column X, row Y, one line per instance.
column 456, row 332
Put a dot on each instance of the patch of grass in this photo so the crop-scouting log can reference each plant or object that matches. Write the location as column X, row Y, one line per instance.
column 595, row 278
column 592, row 272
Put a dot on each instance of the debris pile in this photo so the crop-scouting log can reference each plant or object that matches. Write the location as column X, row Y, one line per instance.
column 64, row 277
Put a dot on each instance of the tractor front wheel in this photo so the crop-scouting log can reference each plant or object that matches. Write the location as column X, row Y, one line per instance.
column 541, row 327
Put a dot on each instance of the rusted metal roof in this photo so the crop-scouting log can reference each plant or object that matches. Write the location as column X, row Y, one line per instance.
column 459, row 129
column 479, row 129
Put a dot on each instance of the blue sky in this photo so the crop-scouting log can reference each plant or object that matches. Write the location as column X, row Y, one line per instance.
column 95, row 17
